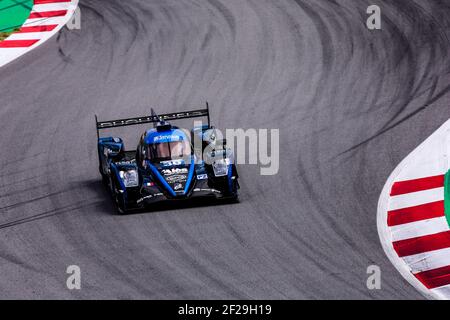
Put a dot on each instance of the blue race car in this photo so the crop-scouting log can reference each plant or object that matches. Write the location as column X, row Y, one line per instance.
column 168, row 165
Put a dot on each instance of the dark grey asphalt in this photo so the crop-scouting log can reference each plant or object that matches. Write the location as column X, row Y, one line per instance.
column 350, row 104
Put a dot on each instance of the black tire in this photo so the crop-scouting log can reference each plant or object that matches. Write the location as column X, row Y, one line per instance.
column 105, row 179
column 119, row 201
column 235, row 196
column 120, row 206
column 234, row 199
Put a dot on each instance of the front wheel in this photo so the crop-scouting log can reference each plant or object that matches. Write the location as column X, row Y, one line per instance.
column 234, row 192
column 120, row 204
column 118, row 197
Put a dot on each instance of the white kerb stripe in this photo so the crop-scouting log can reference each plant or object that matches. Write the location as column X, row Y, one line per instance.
column 43, row 21
column 27, row 36
column 442, row 292
column 50, row 7
column 416, row 198
column 426, row 168
column 428, row 260
column 419, row 228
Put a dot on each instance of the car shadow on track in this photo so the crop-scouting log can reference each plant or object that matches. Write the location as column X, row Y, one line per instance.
column 99, row 189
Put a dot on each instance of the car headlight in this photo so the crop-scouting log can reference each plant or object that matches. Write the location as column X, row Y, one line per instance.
column 220, row 167
column 130, row 178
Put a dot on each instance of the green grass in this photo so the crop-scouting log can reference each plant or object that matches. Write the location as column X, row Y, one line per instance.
column 4, row 35
column 13, row 13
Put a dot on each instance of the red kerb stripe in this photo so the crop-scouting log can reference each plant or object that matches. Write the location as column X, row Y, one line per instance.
column 49, row 27
column 423, row 244
column 17, row 43
column 47, row 14
column 49, row 1
column 417, row 213
column 403, row 187
column 435, row 278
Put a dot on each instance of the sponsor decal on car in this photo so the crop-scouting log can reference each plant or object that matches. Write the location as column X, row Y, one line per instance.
column 169, row 172
column 202, row 176
column 178, row 186
column 176, row 178
column 167, row 138
column 172, row 163
column 123, row 163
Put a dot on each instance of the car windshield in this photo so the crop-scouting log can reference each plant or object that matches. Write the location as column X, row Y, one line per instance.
column 169, row 150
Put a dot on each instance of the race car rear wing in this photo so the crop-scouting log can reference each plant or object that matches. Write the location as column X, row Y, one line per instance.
column 154, row 118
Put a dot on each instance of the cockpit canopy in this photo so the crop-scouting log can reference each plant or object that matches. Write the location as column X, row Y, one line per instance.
column 163, row 146
column 168, row 151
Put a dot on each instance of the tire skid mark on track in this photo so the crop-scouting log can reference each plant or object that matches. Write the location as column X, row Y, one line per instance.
column 310, row 68
column 47, row 214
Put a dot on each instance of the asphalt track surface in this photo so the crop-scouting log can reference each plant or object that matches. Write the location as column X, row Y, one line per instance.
column 350, row 103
